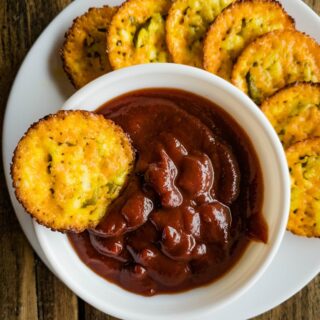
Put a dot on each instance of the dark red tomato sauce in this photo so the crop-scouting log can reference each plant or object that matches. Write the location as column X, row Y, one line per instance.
column 192, row 204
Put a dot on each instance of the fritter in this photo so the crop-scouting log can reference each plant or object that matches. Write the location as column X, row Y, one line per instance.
column 294, row 112
column 137, row 33
column 187, row 24
column 304, row 165
column 237, row 26
column 68, row 167
column 84, row 53
column 274, row 60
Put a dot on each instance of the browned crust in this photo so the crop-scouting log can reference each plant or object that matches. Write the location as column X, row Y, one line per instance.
column 294, row 84
column 303, row 143
column 67, row 34
column 60, row 114
column 275, row 2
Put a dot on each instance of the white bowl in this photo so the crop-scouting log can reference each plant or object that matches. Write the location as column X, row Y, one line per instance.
column 200, row 302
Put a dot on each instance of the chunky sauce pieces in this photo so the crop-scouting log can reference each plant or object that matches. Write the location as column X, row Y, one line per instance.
column 192, row 204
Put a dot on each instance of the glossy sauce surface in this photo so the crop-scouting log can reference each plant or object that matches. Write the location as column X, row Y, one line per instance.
column 192, row 204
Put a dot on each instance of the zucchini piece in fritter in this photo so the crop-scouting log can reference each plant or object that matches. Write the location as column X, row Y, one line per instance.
column 275, row 60
column 137, row 33
column 237, row 26
column 304, row 165
column 294, row 112
column 84, row 52
column 69, row 167
column 187, row 24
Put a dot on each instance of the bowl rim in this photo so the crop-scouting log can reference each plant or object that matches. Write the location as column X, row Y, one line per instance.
column 186, row 71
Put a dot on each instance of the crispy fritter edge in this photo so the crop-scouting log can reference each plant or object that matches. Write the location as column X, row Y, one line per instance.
column 303, row 142
column 66, row 36
column 291, row 85
column 269, row 34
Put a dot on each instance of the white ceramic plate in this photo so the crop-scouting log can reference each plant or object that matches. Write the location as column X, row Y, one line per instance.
column 41, row 87
column 200, row 302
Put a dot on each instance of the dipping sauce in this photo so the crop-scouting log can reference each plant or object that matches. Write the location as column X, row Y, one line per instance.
column 192, row 204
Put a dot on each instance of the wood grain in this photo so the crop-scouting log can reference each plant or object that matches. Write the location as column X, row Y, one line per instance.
column 314, row 4
column 91, row 313
column 28, row 290
column 54, row 299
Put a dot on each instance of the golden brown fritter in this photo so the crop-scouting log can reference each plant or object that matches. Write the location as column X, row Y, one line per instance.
column 84, row 53
column 237, row 26
column 187, row 24
column 275, row 60
column 304, row 165
column 137, row 33
column 68, row 168
column 294, row 112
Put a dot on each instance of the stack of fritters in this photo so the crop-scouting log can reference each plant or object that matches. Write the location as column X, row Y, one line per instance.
column 251, row 43
column 141, row 31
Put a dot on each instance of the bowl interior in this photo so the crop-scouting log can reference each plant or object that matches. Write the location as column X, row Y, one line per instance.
column 194, row 303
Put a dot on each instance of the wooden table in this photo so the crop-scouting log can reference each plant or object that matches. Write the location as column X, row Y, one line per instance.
column 28, row 290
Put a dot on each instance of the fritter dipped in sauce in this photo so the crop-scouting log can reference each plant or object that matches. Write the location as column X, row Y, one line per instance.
column 192, row 204
column 69, row 167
